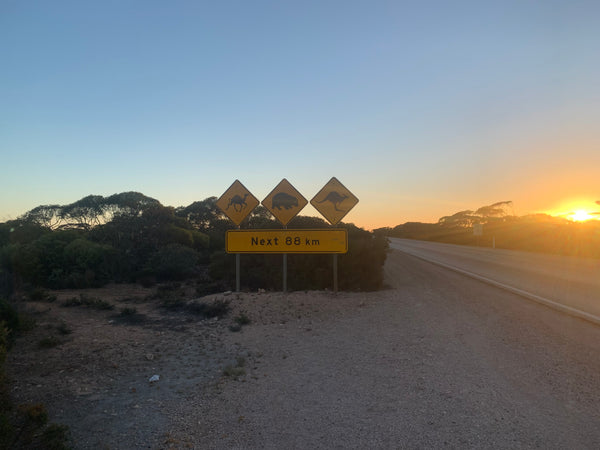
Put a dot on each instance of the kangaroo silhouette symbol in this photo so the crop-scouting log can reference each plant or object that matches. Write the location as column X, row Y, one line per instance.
column 335, row 198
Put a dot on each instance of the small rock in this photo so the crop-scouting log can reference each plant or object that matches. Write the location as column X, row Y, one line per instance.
column 150, row 357
column 154, row 378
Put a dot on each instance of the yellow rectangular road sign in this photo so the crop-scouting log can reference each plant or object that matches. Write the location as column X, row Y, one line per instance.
column 287, row 241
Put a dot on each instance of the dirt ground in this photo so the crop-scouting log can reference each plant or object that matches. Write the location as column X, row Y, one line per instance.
column 92, row 367
column 436, row 360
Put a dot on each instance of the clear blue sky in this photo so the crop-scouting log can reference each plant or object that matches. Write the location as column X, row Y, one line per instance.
column 420, row 108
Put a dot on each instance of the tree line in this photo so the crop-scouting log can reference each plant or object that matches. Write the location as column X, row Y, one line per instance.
column 502, row 229
column 129, row 237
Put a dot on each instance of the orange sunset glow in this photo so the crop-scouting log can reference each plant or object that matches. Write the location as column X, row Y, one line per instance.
column 577, row 211
column 580, row 216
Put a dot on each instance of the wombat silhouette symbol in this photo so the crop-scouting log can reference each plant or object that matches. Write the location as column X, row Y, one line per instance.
column 283, row 200
column 335, row 198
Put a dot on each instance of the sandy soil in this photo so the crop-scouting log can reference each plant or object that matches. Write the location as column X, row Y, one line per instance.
column 435, row 360
column 96, row 380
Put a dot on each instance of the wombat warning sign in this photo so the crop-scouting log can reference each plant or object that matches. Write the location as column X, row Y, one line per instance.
column 284, row 202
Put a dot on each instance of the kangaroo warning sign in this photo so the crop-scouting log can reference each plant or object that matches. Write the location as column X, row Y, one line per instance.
column 284, row 202
column 287, row 241
column 334, row 201
column 237, row 202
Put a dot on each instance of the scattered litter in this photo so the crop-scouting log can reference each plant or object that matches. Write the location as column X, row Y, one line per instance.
column 154, row 378
column 261, row 291
column 227, row 293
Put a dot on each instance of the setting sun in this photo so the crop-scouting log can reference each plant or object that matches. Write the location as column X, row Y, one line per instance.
column 577, row 210
column 580, row 216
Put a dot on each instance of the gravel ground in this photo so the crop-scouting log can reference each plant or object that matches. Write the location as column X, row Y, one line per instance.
column 436, row 360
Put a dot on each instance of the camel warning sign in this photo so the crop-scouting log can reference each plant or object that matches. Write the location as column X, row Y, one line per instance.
column 334, row 201
column 284, row 202
column 237, row 202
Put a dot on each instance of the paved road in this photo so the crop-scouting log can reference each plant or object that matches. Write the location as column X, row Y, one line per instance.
column 439, row 360
column 574, row 282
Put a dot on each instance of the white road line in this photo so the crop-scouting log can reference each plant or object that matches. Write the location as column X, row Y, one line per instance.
column 528, row 295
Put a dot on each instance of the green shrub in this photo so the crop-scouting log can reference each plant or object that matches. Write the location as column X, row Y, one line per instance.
column 73, row 301
column 4, row 336
column 171, row 295
column 6, row 428
column 242, row 319
column 55, row 437
column 11, row 321
column 35, row 414
column 361, row 269
column 30, row 429
column 217, row 308
column 87, row 301
column 128, row 311
column 63, row 329
column 3, row 343
column 49, row 342
column 237, row 370
column 207, row 288
column 37, row 294
column 173, row 262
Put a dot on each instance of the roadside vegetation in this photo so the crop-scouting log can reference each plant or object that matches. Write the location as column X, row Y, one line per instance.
column 24, row 426
column 535, row 233
column 132, row 238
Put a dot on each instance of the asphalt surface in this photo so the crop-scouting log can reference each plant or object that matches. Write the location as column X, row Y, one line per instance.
column 573, row 282
column 438, row 360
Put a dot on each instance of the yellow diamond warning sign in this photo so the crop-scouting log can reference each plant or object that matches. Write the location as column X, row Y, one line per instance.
column 284, row 202
column 334, row 201
column 237, row 202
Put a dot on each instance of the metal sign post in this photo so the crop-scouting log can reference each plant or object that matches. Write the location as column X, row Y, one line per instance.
column 335, row 273
column 237, row 272
column 478, row 231
column 285, row 268
column 236, row 203
column 334, row 201
column 284, row 202
column 285, row 272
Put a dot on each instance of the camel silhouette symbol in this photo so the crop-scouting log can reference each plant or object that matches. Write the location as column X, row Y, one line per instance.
column 335, row 198
column 236, row 201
